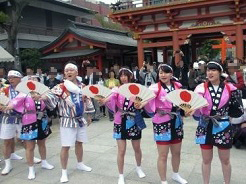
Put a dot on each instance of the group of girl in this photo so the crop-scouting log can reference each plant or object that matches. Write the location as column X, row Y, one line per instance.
column 214, row 128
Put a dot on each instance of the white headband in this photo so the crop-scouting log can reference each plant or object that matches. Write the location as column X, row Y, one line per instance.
column 166, row 66
column 126, row 69
column 14, row 73
column 71, row 66
column 212, row 62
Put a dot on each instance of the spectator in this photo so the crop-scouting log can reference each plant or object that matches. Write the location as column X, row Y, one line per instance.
column 148, row 75
column 111, row 83
column 234, row 74
column 136, row 74
column 59, row 75
column 52, row 81
column 92, row 77
column 41, row 76
column 29, row 73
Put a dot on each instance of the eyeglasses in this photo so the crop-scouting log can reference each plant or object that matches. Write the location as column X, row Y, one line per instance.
column 12, row 78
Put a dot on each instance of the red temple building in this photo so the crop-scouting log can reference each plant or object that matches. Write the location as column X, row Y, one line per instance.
column 169, row 25
column 102, row 47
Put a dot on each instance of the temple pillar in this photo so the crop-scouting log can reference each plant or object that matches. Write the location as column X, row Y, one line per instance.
column 239, row 41
column 176, row 45
column 140, row 53
column 164, row 54
column 99, row 62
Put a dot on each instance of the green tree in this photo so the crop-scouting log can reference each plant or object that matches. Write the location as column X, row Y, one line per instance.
column 207, row 51
column 3, row 17
column 31, row 58
column 10, row 20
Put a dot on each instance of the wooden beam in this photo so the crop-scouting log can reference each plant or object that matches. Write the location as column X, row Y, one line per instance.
column 187, row 18
column 159, row 9
column 207, row 30
column 161, row 44
column 157, row 44
column 155, row 34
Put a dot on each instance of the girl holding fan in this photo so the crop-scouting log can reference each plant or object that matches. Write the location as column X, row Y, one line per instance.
column 214, row 128
column 125, row 126
column 167, row 124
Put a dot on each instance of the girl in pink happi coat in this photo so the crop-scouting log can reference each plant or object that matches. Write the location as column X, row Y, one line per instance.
column 214, row 127
column 126, row 125
column 167, row 124
column 35, row 127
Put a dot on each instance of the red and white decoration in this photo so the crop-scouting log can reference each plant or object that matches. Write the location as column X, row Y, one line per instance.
column 186, row 99
column 133, row 91
column 96, row 91
column 32, row 86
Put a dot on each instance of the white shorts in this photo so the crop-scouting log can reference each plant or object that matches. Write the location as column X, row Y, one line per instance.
column 70, row 135
column 9, row 131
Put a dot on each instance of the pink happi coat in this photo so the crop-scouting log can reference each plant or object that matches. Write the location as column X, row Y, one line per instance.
column 200, row 89
column 116, row 101
column 160, row 102
column 25, row 104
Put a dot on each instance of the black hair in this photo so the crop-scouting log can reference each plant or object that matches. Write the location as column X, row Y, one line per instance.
column 165, row 68
column 113, row 72
column 213, row 66
column 127, row 73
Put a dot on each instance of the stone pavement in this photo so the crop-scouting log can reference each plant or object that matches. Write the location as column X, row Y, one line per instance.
column 100, row 154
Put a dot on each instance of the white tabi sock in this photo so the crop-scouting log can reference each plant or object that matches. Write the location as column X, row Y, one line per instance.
column 14, row 156
column 121, row 179
column 31, row 174
column 81, row 166
column 178, row 178
column 140, row 172
column 164, row 182
column 8, row 167
column 36, row 160
column 46, row 165
column 64, row 177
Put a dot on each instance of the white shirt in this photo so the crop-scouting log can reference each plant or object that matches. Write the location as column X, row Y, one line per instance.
column 216, row 88
column 135, row 74
column 91, row 79
column 169, row 87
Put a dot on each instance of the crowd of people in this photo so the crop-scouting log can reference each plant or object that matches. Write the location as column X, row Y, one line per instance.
column 222, row 85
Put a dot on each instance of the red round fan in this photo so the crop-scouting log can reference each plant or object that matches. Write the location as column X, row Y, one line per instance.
column 94, row 89
column 31, row 85
column 186, row 99
column 137, row 92
column 185, row 96
column 134, row 89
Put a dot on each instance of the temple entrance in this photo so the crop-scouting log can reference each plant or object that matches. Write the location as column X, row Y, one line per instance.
column 211, row 46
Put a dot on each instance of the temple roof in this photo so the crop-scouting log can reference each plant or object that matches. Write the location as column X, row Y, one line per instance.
column 97, row 35
column 71, row 53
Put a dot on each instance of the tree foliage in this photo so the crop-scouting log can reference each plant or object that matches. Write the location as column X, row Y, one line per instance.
column 109, row 24
column 31, row 58
column 3, row 18
column 207, row 51
column 10, row 23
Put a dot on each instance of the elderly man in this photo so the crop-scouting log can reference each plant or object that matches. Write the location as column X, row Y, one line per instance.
column 72, row 106
column 11, row 122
